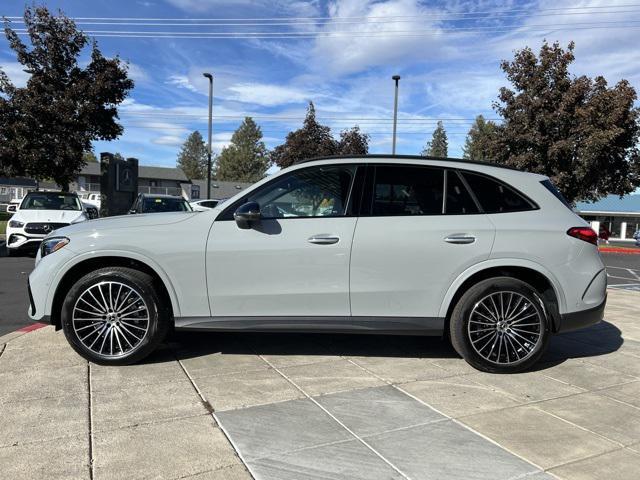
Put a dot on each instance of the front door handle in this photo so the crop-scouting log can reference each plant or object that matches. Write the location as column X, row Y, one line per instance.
column 323, row 239
column 460, row 238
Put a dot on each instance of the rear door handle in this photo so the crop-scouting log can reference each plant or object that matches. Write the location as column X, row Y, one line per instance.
column 460, row 238
column 323, row 239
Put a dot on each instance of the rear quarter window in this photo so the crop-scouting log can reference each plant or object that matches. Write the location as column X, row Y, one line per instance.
column 556, row 193
column 495, row 196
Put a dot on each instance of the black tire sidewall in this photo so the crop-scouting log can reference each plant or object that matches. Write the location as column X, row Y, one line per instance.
column 139, row 281
column 461, row 315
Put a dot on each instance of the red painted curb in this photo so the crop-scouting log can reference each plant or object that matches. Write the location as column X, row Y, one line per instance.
column 31, row 328
column 628, row 251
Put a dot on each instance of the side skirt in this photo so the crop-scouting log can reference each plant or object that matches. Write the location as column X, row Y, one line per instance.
column 428, row 326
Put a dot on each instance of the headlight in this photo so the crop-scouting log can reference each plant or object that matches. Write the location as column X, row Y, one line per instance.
column 16, row 224
column 50, row 245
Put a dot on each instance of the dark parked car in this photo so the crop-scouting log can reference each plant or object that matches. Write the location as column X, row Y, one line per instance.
column 146, row 203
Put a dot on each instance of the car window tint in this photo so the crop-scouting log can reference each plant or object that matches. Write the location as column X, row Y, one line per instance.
column 158, row 205
column 406, row 190
column 310, row 192
column 459, row 199
column 494, row 196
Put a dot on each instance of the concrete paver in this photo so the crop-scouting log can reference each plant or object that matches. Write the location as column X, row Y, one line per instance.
column 621, row 464
column 586, row 375
column 459, row 396
column 599, row 414
column 43, row 419
column 628, row 393
column 245, row 389
column 42, row 382
column 123, row 407
column 170, row 450
column 330, row 377
column 540, row 437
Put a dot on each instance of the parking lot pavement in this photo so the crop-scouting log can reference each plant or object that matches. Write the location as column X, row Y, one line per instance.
column 232, row 406
column 623, row 271
column 14, row 300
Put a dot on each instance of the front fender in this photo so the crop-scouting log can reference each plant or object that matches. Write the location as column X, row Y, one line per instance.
column 77, row 259
column 502, row 262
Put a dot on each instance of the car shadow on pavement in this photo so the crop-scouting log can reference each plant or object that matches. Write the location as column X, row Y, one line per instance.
column 599, row 339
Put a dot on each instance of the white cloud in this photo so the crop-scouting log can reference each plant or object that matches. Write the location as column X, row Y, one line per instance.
column 182, row 81
column 171, row 140
column 266, row 95
column 15, row 72
column 137, row 73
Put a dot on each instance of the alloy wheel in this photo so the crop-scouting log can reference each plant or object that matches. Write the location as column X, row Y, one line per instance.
column 505, row 327
column 110, row 319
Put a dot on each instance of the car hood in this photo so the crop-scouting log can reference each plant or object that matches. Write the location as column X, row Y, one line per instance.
column 53, row 216
column 127, row 221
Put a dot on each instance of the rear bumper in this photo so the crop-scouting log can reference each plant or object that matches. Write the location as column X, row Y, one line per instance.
column 583, row 318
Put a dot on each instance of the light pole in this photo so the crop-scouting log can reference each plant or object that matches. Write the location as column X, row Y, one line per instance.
column 396, row 78
column 210, row 77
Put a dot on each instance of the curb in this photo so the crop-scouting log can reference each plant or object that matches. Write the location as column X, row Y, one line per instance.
column 623, row 250
column 21, row 331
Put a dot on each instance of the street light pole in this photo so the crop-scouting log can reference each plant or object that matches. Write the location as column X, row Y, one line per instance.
column 396, row 78
column 210, row 77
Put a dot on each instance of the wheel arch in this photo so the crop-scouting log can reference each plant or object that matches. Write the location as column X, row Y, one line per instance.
column 82, row 265
column 535, row 275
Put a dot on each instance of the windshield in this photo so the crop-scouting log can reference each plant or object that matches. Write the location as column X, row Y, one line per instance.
column 50, row 201
column 165, row 204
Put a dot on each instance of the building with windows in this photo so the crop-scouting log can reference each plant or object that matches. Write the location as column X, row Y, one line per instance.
column 621, row 216
column 15, row 188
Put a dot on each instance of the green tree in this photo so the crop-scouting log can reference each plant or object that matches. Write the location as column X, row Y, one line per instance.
column 576, row 130
column 353, row 142
column 192, row 158
column 312, row 140
column 477, row 146
column 89, row 157
column 439, row 145
column 46, row 126
column 246, row 159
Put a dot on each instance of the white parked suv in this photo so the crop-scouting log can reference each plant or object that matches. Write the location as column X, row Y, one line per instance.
column 39, row 214
column 490, row 257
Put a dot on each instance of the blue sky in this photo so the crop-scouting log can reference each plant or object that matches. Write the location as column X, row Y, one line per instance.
column 342, row 57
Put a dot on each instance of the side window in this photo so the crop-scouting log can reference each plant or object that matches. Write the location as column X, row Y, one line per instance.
column 458, row 199
column 496, row 197
column 407, row 190
column 310, row 192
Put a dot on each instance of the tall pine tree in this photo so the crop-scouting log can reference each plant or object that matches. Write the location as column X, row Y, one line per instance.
column 477, row 146
column 192, row 158
column 439, row 145
column 246, row 158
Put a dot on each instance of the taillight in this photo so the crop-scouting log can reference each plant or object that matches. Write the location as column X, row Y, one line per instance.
column 584, row 233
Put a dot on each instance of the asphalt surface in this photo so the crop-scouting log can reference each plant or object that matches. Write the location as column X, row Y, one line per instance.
column 623, row 272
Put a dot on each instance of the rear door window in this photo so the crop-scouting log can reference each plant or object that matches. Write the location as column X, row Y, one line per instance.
column 496, row 197
column 407, row 190
column 459, row 200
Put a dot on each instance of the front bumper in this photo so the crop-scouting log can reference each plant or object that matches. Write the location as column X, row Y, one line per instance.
column 583, row 318
column 17, row 240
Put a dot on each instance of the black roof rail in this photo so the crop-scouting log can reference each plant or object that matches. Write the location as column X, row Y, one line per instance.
column 406, row 157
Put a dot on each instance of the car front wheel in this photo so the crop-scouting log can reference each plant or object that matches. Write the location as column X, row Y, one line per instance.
column 500, row 325
column 114, row 316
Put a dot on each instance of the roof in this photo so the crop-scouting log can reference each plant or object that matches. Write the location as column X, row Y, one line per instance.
column 407, row 157
column 160, row 173
column 159, row 195
column 17, row 182
column 613, row 204
column 220, row 189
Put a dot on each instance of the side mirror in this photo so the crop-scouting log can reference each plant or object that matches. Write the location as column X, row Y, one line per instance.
column 247, row 214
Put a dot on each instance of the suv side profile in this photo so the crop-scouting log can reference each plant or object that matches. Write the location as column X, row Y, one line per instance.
column 487, row 256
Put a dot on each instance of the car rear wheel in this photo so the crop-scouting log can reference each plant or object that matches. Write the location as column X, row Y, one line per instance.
column 500, row 325
column 114, row 316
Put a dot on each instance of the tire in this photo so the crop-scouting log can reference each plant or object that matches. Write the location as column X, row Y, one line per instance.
column 487, row 339
column 114, row 316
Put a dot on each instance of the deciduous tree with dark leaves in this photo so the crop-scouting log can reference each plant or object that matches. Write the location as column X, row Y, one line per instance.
column 315, row 140
column 580, row 132
column 46, row 126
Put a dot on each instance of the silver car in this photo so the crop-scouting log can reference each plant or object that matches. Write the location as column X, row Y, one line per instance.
column 489, row 257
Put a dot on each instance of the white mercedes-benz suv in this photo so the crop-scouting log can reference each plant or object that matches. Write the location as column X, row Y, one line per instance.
column 490, row 257
column 41, row 213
